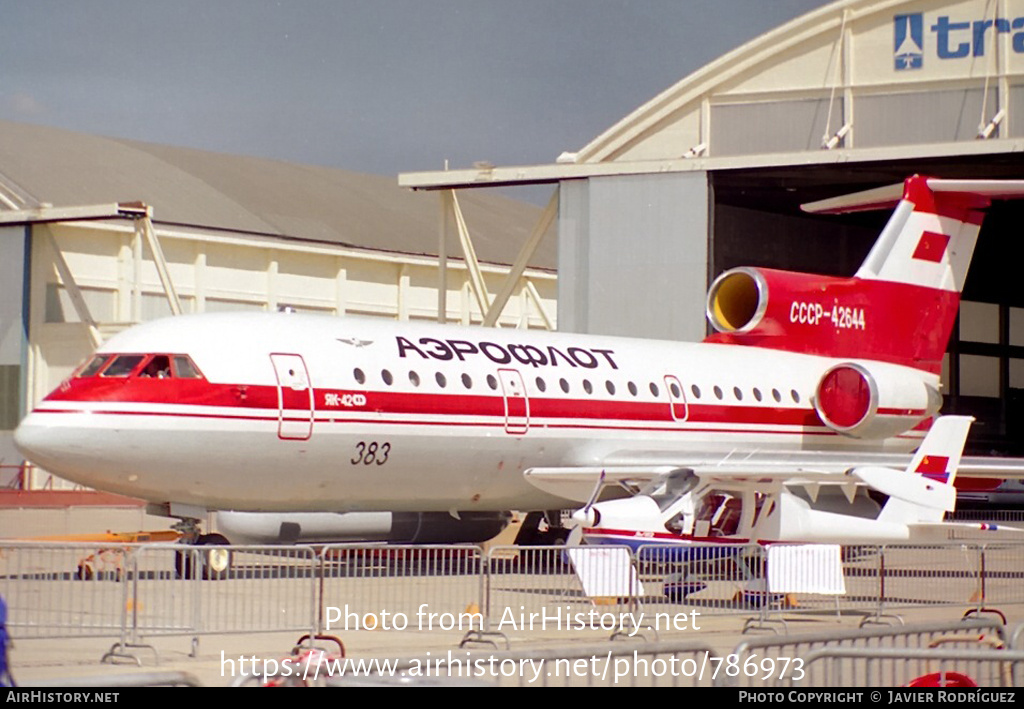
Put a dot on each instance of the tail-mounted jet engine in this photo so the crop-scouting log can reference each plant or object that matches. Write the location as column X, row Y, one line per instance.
column 829, row 316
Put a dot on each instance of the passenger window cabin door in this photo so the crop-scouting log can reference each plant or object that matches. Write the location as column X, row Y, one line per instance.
column 517, row 404
column 677, row 398
column 294, row 397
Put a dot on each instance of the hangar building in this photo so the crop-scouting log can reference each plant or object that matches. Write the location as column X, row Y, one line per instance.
column 97, row 234
column 710, row 173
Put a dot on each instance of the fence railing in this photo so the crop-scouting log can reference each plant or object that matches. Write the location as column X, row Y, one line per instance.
column 935, row 654
column 131, row 592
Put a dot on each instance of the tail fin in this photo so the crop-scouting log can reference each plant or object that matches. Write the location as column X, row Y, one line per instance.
column 926, row 247
column 924, row 491
column 901, row 304
column 938, row 457
column 929, row 240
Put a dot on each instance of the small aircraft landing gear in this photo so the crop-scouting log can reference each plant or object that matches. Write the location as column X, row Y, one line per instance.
column 210, row 564
column 542, row 529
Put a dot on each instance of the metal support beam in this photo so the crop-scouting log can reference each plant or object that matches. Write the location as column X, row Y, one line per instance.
column 522, row 260
column 531, row 291
column 442, row 257
column 138, row 212
column 476, row 276
column 144, row 225
column 74, row 292
column 48, row 213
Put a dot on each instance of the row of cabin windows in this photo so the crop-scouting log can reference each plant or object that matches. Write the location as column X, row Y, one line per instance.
column 414, row 378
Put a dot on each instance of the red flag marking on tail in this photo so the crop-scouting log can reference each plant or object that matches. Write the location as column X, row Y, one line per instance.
column 931, row 247
column 934, row 466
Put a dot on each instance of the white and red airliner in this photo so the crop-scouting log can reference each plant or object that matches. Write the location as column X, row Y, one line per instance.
column 290, row 412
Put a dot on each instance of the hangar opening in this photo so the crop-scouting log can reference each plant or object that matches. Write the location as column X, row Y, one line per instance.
column 757, row 221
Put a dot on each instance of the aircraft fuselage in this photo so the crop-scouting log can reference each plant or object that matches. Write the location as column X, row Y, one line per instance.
column 284, row 411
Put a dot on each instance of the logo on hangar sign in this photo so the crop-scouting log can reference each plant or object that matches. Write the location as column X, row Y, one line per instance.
column 908, row 41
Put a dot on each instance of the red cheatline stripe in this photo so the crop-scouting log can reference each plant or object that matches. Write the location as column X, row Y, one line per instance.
column 198, row 393
column 491, row 423
column 635, row 535
column 686, row 427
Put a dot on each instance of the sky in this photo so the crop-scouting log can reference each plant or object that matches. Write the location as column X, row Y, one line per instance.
column 378, row 86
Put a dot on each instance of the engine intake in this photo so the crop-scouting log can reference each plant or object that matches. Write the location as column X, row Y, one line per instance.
column 874, row 400
column 737, row 300
column 843, row 318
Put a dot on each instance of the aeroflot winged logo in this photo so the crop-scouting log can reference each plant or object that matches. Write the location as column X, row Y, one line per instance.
column 908, row 41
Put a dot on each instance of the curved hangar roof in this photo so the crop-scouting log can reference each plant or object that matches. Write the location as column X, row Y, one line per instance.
column 193, row 188
column 858, row 73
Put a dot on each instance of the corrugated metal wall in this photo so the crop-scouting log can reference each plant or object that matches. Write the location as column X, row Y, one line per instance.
column 633, row 255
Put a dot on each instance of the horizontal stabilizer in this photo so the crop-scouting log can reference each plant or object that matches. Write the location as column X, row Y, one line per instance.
column 887, row 197
column 924, row 491
column 877, row 198
column 964, row 531
column 916, row 489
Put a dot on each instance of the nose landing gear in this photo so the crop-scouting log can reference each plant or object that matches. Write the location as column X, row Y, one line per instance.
column 212, row 564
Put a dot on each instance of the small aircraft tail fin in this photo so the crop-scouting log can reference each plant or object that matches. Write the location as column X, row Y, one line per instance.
column 939, row 455
column 924, row 492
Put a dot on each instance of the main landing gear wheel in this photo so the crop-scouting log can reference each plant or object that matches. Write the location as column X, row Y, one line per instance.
column 537, row 530
column 212, row 564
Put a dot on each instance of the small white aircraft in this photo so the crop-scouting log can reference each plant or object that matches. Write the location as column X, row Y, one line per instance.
column 284, row 412
column 728, row 505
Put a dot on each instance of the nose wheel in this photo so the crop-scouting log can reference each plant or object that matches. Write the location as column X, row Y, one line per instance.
column 212, row 563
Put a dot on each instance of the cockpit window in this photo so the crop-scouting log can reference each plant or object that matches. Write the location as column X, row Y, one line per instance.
column 185, row 368
column 666, row 489
column 157, row 368
column 719, row 514
column 122, row 366
column 95, row 364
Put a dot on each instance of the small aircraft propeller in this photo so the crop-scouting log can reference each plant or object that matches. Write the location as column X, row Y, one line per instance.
column 586, row 516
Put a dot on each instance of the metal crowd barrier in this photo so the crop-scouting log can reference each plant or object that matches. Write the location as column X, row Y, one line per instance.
column 265, row 589
column 616, row 664
column 131, row 592
column 570, row 590
column 956, row 635
column 1017, row 637
column 890, row 657
column 887, row 667
column 429, row 588
column 67, row 590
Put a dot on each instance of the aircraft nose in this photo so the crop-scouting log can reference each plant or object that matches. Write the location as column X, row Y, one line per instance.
column 62, row 445
column 35, row 441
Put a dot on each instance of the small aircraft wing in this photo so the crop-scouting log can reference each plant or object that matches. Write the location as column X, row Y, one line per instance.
column 766, row 468
column 964, row 531
column 577, row 483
